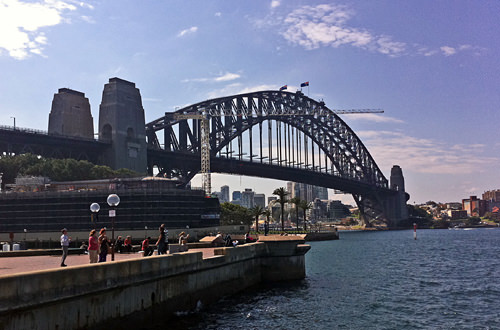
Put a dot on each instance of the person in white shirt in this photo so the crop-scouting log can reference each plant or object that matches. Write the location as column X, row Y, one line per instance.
column 65, row 246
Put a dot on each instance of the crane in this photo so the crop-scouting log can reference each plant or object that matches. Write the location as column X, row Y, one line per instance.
column 204, row 115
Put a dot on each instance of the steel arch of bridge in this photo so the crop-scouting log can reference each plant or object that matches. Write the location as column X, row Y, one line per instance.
column 294, row 119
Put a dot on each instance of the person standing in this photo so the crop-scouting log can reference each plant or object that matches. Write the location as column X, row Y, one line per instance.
column 64, row 245
column 93, row 246
column 162, row 240
column 103, row 245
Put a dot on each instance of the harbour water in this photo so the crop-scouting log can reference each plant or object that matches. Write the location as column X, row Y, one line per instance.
column 446, row 279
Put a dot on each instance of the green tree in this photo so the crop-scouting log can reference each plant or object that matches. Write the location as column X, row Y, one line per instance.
column 473, row 221
column 419, row 216
column 305, row 205
column 281, row 193
column 57, row 169
column 232, row 214
column 296, row 201
column 267, row 213
column 256, row 212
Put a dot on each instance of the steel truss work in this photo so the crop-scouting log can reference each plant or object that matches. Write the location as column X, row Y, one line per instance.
column 284, row 135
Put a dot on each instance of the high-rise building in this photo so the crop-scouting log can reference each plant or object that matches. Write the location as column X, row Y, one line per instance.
column 259, row 200
column 321, row 193
column 224, row 198
column 236, row 195
column 307, row 192
column 247, row 198
column 492, row 195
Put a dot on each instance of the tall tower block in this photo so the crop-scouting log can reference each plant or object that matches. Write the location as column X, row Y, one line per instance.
column 70, row 115
column 121, row 121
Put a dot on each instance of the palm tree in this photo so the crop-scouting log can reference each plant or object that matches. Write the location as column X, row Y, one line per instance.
column 267, row 213
column 305, row 205
column 296, row 201
column 281, row 193
column 257, row 211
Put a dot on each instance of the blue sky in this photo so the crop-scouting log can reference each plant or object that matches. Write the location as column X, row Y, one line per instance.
column 433, row 66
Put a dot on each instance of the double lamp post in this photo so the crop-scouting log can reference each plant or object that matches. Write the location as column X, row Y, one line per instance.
column 113, row 201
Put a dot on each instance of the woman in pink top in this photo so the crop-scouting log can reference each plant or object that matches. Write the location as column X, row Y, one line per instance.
column 93, row 246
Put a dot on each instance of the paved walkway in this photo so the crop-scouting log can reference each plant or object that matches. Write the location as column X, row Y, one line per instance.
column 14, row 265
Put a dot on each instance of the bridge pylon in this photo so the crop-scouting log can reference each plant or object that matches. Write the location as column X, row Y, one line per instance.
column 122, row 121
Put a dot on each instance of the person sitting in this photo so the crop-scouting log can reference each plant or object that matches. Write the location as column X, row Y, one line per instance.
column 146, row 248
column 119, row 245
column 228, row 241
column 218, row 241
column 248, row 238
column 183, row 238
column 127, row 245
column 84, row 246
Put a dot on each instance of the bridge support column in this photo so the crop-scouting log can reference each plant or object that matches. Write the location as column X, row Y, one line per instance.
column 70, row 115
column 388, row 208
column 121, row 121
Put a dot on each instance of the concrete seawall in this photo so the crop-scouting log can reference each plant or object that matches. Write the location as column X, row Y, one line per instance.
column 84, row 296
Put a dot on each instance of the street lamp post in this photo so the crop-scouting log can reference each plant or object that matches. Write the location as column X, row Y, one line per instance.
column 113, row 201
column 94, row 208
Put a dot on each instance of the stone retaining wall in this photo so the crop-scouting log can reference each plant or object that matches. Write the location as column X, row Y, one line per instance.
column 83, row 296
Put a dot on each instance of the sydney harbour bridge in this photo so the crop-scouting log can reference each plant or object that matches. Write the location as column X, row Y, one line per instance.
column 269, row 134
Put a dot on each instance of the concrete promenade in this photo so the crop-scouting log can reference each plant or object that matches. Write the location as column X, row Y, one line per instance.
column 39, row 294
column 14, row 265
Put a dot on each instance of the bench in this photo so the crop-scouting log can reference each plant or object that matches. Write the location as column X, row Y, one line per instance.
column 173, row 248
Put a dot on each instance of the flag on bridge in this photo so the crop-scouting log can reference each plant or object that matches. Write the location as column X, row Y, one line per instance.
column 304, row 84
column 283, row 87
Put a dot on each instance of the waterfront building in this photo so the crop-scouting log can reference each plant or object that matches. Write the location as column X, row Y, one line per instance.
column 337, row 210
column 492, row 195
column 474, row 206
column 145, row 202
column 457, row 214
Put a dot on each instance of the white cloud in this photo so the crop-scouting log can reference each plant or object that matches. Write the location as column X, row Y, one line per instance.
column 237, row 88
column 325, row 25
column 275, row 3
column 218, row 14
column 373, row 117
column 424, row 155
column 228, row 76
column 191, row 30
column 21, row 21
column 448, row 51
